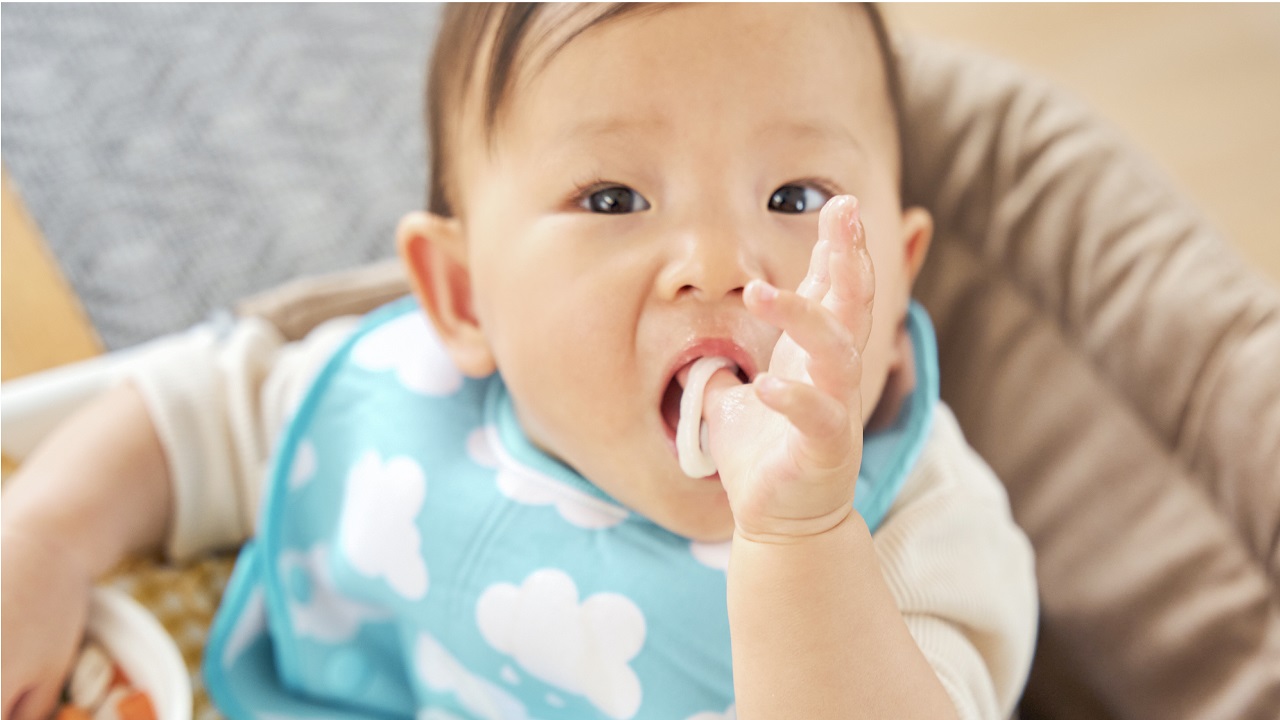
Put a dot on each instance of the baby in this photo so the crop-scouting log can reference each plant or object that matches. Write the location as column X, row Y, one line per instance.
column 470, row 503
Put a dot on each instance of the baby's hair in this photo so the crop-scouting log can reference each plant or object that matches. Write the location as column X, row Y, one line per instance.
column 506, row 40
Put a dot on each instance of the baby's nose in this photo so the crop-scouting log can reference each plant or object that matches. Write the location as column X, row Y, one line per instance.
column 711, row 264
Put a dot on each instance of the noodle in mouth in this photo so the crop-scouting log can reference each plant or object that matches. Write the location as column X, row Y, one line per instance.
column 691, row 431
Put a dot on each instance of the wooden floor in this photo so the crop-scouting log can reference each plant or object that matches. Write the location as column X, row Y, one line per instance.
column 43, row 324
column 1197, row 86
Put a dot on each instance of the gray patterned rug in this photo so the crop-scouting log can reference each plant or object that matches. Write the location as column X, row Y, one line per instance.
column 178, row 157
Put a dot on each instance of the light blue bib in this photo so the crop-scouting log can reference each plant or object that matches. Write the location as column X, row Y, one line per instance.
column 419, row 557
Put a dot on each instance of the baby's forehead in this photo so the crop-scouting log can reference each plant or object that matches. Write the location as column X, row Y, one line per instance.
column 517, row 54
column 777, row 37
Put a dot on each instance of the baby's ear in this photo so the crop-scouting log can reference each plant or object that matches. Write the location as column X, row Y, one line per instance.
column 917, row 233
column 434, row 252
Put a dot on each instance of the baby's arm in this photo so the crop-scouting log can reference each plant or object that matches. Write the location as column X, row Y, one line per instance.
column 816, row 633
column 962, row 580
column 171, row 459
column 94, row 491
column 814, row 628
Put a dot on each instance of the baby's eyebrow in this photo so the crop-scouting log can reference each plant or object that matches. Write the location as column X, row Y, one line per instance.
column 613, row 126
column 811, row 130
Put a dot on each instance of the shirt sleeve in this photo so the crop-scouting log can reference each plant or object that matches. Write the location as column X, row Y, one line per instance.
column 963, row 575
column 219, row 399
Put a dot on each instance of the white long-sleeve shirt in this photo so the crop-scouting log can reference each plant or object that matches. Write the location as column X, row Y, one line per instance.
column 961, row 571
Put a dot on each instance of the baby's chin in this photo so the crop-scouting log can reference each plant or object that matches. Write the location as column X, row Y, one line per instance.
column 709, row 536
column 711, row 526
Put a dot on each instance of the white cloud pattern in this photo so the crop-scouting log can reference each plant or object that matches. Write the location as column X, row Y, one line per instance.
column 583, row 649
column 323, row 613
column 713, row 555
column 305, row 465
column 532, row 488
column 251, row 623
column 442, row 672
column 409, row 346
column 435, row 714
column 731, row 713
column 378, row 531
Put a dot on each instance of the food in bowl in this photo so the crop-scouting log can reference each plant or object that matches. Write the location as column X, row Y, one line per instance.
column 99, row 689
column 136, row 658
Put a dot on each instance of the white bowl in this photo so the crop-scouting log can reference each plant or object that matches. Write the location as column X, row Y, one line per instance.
column 136, row 640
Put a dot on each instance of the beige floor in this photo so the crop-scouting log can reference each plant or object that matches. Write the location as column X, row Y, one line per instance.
column 1197, row 86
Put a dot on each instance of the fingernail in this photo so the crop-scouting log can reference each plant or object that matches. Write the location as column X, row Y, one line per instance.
column 859, row 234
column 768, row 383
column 765, row 291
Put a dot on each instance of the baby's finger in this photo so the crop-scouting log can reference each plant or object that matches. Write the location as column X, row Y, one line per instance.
column 853, row 284
column 818, row 278
column 832, row 362
column 822, row 421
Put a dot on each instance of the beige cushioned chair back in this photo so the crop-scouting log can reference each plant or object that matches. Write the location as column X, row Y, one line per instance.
column 1117, row 365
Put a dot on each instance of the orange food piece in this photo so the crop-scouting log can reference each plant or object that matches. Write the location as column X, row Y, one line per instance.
column 72, row 712
column 135, row 706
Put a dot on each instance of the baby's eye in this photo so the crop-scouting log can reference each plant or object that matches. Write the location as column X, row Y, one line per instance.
column 615, row 199
column 797, row 199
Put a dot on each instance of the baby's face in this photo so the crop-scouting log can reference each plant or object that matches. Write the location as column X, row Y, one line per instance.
column 652, row 169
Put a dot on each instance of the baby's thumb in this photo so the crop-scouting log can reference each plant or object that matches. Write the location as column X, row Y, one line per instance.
column 719, row 403
column 715, row 396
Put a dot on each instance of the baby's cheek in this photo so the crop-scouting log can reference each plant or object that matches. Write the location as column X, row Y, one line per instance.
column 875, row 371
column 567, row 395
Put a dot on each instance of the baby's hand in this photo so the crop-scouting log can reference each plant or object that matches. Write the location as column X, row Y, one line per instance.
column 788, row 446
column 45, row 606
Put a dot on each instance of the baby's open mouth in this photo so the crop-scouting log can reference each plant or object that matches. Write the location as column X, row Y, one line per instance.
column 671, row 407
